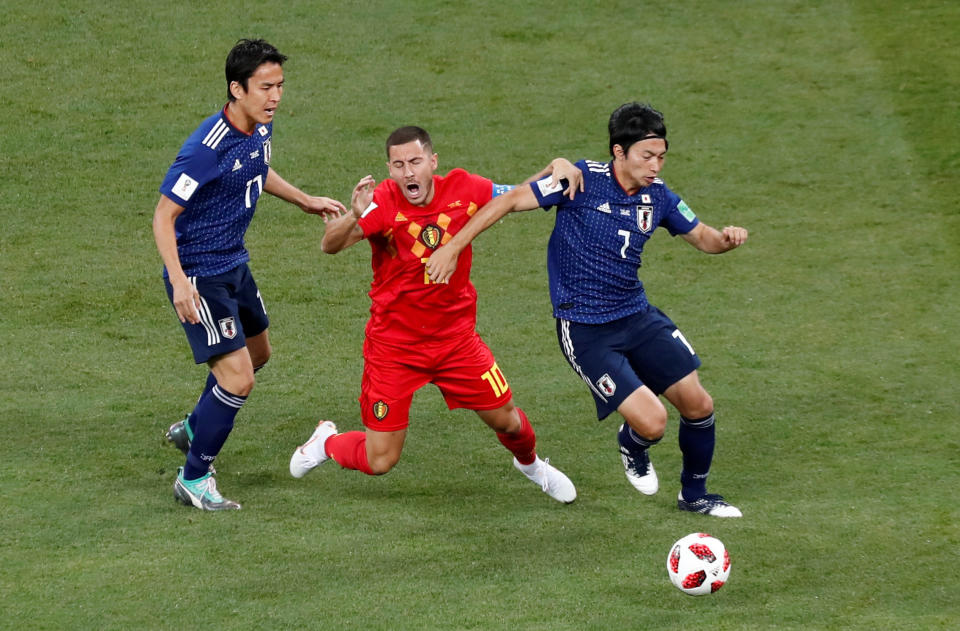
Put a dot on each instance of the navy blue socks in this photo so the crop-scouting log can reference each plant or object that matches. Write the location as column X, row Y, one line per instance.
column 697, row 438
column 212, row 422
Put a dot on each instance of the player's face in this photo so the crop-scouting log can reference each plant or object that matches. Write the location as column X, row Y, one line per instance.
column 258, row 103
column 638, row 167
column 411, row 167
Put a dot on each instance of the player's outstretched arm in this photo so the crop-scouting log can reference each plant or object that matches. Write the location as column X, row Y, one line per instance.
column 324, row 206
column 443, row 262
column 713, row 241
column 344, row 231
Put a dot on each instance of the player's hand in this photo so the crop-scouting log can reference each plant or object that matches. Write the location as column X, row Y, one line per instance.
column 324, row 206
column 442, row 264
column 563, row 169
column 733, row 236
column 362, row 195
column 186, row 300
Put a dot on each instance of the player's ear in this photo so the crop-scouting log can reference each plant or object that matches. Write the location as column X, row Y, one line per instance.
column 433, row 162
column 237, row 90
column 618, row 152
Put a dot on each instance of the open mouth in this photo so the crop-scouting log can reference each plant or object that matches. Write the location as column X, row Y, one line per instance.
column 413, row 189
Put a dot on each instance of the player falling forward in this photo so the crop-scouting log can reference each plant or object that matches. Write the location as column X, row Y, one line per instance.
column 420, row 332
column 207, row 200
column 626, row 350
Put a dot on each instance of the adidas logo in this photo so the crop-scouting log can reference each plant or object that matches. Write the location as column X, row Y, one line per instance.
column 604, row 208
column 236, row 165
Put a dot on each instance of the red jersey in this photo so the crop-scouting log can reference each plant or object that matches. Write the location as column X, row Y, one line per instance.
column 406, row 307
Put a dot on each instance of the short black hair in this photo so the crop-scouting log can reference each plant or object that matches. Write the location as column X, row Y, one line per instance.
column 403, row 135
column 245, row 57
column 632, row 122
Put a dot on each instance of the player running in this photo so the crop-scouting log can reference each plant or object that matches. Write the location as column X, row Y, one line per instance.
column 420, row 332
column 626, row 350
column 207, row 200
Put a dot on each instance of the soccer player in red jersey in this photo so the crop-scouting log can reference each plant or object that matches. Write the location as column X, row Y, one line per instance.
column 421, row 332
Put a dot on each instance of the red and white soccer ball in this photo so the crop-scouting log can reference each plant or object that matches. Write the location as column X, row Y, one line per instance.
column 698, row 564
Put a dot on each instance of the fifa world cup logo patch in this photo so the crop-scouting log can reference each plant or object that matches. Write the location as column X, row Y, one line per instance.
column 380, row 409
column 430, row 236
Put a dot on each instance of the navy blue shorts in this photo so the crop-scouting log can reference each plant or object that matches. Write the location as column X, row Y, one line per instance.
column 616, row 358
column 231, row 310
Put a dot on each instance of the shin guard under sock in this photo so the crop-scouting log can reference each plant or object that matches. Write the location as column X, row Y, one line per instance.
column 192, row 420
column 523, row 444
column 349, row 450
column 215, row 414
column 697, row 438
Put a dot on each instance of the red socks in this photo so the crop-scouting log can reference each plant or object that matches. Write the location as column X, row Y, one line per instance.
column 523, row 444
column 349, row 450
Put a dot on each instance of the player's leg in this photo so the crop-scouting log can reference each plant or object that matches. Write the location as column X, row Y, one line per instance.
column 645, row 422
column 468, row 377
column 514, row 431
column 386, row 393
column 697, row 439
column 597, row 354
column 219, row 341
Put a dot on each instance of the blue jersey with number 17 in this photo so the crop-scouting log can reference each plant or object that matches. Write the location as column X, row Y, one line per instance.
column 597, row 241
column 217, row 177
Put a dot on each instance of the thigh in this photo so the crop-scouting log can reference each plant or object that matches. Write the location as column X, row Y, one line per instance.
column 658, row 352
column 594, row 354
column 389, row 380
column 251, row 311
column 468, row 376
column 218, row 332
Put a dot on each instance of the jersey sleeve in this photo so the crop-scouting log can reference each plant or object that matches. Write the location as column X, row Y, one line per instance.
column 371, row 219
column 552, row 195
column 679, row 219
column 196, row 165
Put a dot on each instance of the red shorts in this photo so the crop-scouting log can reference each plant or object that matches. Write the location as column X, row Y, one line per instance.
column 464, row 369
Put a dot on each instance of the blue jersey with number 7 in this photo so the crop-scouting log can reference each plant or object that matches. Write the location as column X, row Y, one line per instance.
column 597, row 242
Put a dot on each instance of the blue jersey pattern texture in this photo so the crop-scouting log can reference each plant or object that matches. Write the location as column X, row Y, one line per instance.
column 595, row 249
column 217, row 177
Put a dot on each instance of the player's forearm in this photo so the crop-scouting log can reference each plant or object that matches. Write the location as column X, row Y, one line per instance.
column 341, row 233
column 491, row 212
column 165, row 236
column 279, row 187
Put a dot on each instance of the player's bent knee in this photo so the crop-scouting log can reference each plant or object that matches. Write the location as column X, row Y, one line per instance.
column 382, row 464
column 701, row 408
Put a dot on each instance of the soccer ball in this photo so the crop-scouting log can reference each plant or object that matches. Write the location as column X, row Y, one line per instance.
column 698, row 564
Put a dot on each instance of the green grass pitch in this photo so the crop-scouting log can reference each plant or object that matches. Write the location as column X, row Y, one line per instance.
column 828, row 129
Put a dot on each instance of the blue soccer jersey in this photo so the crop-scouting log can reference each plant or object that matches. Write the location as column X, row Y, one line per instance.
column 217, row 177
column 596, row 245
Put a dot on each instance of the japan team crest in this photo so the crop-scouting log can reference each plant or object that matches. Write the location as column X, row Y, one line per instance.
column 228, row 327
column 644, row 218
column 266, row 151
column 606, row 385
column 380, row 409
column 430, row 236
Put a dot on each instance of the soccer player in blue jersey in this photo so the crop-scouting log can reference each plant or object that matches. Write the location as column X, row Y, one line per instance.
column 625, row 349
column 207, row 200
